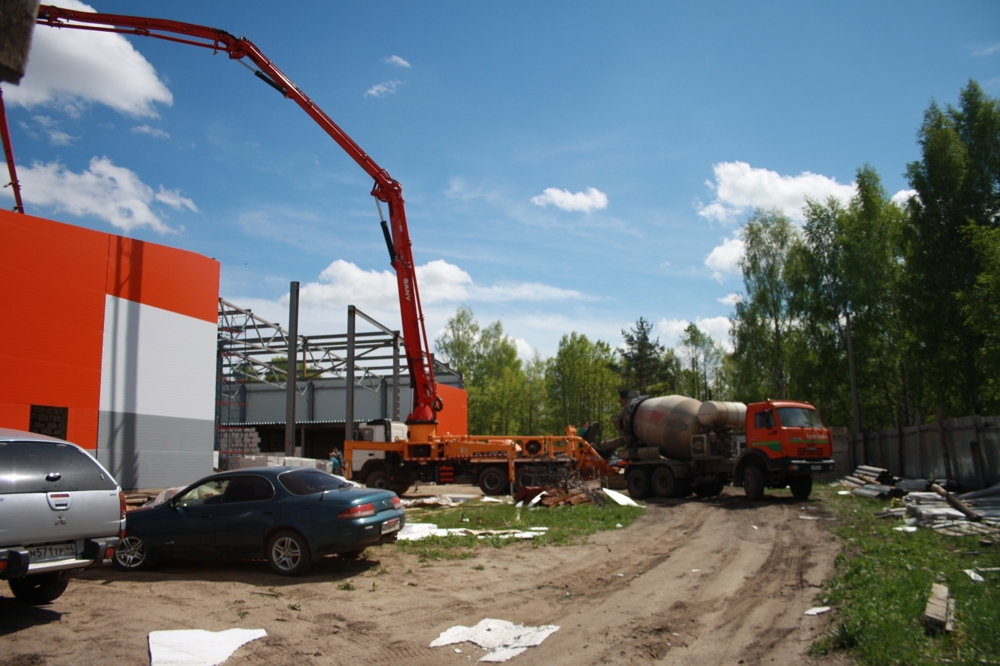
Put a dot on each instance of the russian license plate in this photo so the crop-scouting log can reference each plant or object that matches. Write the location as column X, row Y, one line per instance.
column 816, row 468
column 56, row 551
column 390, row 525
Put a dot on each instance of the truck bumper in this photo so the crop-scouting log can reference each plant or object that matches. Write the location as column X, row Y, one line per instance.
column 16, row 561
column 811, row 466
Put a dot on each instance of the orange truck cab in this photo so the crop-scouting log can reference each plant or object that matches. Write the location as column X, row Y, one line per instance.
column 786, row 443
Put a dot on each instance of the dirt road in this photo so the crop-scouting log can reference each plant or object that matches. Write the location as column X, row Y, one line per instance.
column 698, row 582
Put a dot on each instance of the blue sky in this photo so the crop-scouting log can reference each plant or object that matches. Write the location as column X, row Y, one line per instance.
column 567, row 166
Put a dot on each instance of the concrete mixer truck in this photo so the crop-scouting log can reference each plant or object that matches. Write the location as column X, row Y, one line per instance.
column 674, row 445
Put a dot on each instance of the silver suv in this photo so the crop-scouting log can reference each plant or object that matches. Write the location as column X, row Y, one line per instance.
column 60, row 511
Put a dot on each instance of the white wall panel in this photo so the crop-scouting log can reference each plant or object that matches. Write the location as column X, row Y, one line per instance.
column 157, row 362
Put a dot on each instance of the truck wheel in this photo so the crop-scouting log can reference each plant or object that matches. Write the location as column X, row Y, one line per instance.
column 664, row 483
column 801, row 486
column 493, row 481
column 753, row 483
column 377, row 479
column 40, row 588
column 638, row 483
column 710, row 489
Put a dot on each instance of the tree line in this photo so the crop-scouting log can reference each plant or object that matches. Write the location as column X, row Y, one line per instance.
column 900, row 298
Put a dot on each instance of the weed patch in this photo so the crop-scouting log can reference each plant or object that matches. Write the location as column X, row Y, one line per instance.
column 882, row 583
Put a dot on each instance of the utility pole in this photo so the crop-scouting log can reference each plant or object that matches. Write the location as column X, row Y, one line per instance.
column 290, row 372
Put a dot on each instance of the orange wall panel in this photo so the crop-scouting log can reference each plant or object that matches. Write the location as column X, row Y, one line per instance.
column 52, row 300
column 164, row 277
column 14, row 415
column 454, row 418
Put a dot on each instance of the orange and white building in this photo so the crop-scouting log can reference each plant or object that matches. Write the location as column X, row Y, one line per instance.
column 110, row 342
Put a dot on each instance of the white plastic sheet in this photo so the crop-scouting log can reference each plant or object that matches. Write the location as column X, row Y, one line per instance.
column 196, row 647
column 501, row 639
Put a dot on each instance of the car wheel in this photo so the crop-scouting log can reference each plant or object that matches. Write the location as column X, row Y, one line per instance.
column 493, row 481
column 664, row 482
column 638, row 484
column 377, row 479
column 801, row 487
column 131, row 555
column 288, row 553
column 39, row 589
column 753, row 483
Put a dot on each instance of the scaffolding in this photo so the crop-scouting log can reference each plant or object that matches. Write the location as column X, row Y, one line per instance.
column 253, row 349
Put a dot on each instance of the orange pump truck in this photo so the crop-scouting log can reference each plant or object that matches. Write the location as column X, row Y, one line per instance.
column 395, row 454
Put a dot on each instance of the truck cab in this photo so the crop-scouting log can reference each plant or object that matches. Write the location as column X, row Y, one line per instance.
column 786, row 442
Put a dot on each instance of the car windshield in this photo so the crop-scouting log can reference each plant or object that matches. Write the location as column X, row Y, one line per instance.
column 309, row 481
column 799, row 417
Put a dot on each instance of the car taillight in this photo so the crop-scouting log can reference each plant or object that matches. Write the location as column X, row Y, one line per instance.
column 359, row 511
column 3, row 565
column 396, row 504
column 121, row 500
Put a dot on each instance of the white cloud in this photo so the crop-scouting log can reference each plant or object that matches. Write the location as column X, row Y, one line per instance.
column 342, row 283
column 151, row 131
column 59, row 138
column 584, row 202
column 383, row 89
column 902, row 198
column 725, row 258
column 987, row 50
column 739, row 188
column 731, row 299
column 396, row 60
column 111, row 193
column 716, row 327
column 68, row 69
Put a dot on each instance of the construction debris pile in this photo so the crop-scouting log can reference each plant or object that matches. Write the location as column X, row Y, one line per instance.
column 930, row 503
column 563, row 486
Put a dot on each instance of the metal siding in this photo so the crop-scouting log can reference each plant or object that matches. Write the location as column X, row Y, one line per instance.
column 157, row 362
column 143, row 451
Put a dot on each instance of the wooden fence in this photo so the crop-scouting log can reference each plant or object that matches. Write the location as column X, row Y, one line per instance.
column 966, row 450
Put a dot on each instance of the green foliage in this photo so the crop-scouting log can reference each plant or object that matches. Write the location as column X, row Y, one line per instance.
column 582, row 384
column 957, row 182
column 919, row 287
column 498, row 387
column 702, row 375
column 848, row 264
column 882, row 584
column 980, row 305
column 763, row 324
column 642, row 365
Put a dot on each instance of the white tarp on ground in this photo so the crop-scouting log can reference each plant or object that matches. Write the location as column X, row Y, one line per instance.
column 501, row 639
column 417, row 531
column 196, row 647
column 619, row 498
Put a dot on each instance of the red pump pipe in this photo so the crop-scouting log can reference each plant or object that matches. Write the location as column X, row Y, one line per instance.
column 8, row 153
column 426, row 401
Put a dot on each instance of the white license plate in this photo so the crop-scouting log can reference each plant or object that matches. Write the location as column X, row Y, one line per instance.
column 390, row 526
column 816, row 468
column 58, row 551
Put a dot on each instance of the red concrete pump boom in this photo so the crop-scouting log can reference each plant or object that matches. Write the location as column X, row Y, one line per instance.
column 425, row 398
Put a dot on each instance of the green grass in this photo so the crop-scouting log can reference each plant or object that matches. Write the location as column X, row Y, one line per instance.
column 567, row 525
column 882, row 582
